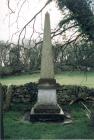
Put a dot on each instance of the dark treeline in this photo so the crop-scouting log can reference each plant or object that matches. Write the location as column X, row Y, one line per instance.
column 78, row 56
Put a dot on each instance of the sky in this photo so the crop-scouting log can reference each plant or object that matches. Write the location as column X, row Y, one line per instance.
column 12, row 23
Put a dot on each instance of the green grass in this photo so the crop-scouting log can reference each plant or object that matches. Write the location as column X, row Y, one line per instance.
column 16, row 128
column 76, row 78
column 66, row 78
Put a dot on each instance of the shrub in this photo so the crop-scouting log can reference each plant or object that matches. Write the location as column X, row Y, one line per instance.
column 67, row 93
column 25, row 93
column 5, row 71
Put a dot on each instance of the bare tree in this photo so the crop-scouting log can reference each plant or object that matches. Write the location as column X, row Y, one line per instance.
column 71, row 21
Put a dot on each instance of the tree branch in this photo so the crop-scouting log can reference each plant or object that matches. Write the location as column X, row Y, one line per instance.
column 20, row 11
column 62, row 31
column 32, row 19
column 10, row 7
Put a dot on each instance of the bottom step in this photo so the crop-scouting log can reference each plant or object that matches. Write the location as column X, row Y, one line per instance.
column 47, row 117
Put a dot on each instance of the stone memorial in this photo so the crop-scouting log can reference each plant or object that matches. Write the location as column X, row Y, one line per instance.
column 47, row 108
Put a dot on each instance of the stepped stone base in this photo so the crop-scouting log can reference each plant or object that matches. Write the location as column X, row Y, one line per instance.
column 46, row 108
column 44, row 113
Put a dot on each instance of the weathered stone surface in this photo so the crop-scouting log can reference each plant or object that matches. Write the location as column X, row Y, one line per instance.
column 47, row 90
column 47, row 64
column 47, row 96
column 46, row 106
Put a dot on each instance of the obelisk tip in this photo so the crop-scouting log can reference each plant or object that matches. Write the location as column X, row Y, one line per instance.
column 47, row 13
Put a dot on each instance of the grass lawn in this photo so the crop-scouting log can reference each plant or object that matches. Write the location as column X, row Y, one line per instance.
column 69, row 78
column 16, row 128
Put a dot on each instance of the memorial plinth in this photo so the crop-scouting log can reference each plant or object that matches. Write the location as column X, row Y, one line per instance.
column 47, row 107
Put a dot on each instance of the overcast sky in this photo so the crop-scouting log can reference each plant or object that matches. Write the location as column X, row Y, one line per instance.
column 8, row 24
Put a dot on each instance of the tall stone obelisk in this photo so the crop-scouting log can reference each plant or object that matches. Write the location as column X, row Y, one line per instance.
column 47, row 91
column 46, row 107
column 47, row 62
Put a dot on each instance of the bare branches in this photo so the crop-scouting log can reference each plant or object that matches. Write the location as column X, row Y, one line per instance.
column 67, row 43
column 64, row 26
column 24, row 37
column 74, row 40
column 20, row 11
column 32, row 31
column 32, row 20
column 10, row 7
column 56, row 33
